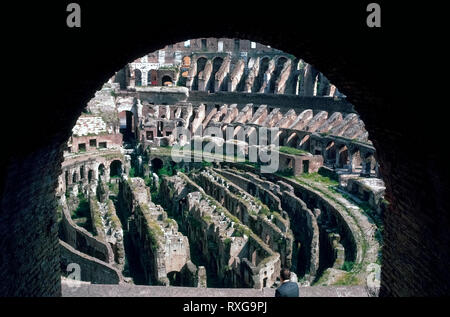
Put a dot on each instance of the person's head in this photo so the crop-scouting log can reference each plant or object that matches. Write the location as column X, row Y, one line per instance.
column 285, row 274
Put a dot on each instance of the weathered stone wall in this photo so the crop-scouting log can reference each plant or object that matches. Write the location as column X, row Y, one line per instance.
column 369, row 190
column 254, row 187
column 355, row 231
column 236, row 261
column 92, row 269
column 345, row 225
column 302, row 220
column 111, row 140
column 161, row 248
column 107, row 227
column 158, row 95
column 305, row 228
column 192, row 275
column 278, row 240
column 29, row 260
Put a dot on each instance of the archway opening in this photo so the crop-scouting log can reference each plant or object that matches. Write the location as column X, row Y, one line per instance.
column 127, row 125
column 157, row 164
column 115, row 169
column 217, row 62
column 167, row 81
column 138, row 77
column 101, row 170
column 201, row 63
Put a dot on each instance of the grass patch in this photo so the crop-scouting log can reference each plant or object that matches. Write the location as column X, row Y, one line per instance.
column 348, row 265
column 292, row 150
column 347, row 279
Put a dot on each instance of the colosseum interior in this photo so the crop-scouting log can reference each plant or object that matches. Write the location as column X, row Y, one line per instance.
column 97, row 178
column 164, row 179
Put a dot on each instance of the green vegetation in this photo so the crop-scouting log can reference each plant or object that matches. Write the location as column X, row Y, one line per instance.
column 368, row 211
column 167, row 171
column 132, row 172
column 96, row 217
column 174, row 68
column 316, row 177
column 328, row 192
column 347, row 266
column 347, row 279
column 265, row 211
column 227, row 242
column 113, row 188
column 59, row 212
column 240, row 230
column 288, row 172
column 169, row 221
column 206, row 164
column 207, row 218
column 148, row 181
column 153, row 229
column 83, row 209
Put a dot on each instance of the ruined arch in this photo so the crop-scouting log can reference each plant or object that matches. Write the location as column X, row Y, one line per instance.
column 90, row 175
column 101, row 170
column 81, row 172
column 343, row 157
column 201, row 63
column 279, row 63
column 127, row 125
column 263, row 65
column 217, row 62
column 74, row 177
column 152, row 77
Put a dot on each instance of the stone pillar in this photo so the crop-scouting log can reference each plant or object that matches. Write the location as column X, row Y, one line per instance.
column 69, row 177
column 324, row 151
column 144, row 77
column 132, row 78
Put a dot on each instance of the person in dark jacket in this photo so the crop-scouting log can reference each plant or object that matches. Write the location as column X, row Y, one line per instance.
column 287, row 288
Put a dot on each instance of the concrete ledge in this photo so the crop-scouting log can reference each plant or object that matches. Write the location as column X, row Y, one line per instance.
column 82, row 289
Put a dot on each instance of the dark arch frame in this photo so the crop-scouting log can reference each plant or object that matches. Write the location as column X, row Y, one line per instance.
column 355, row 63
